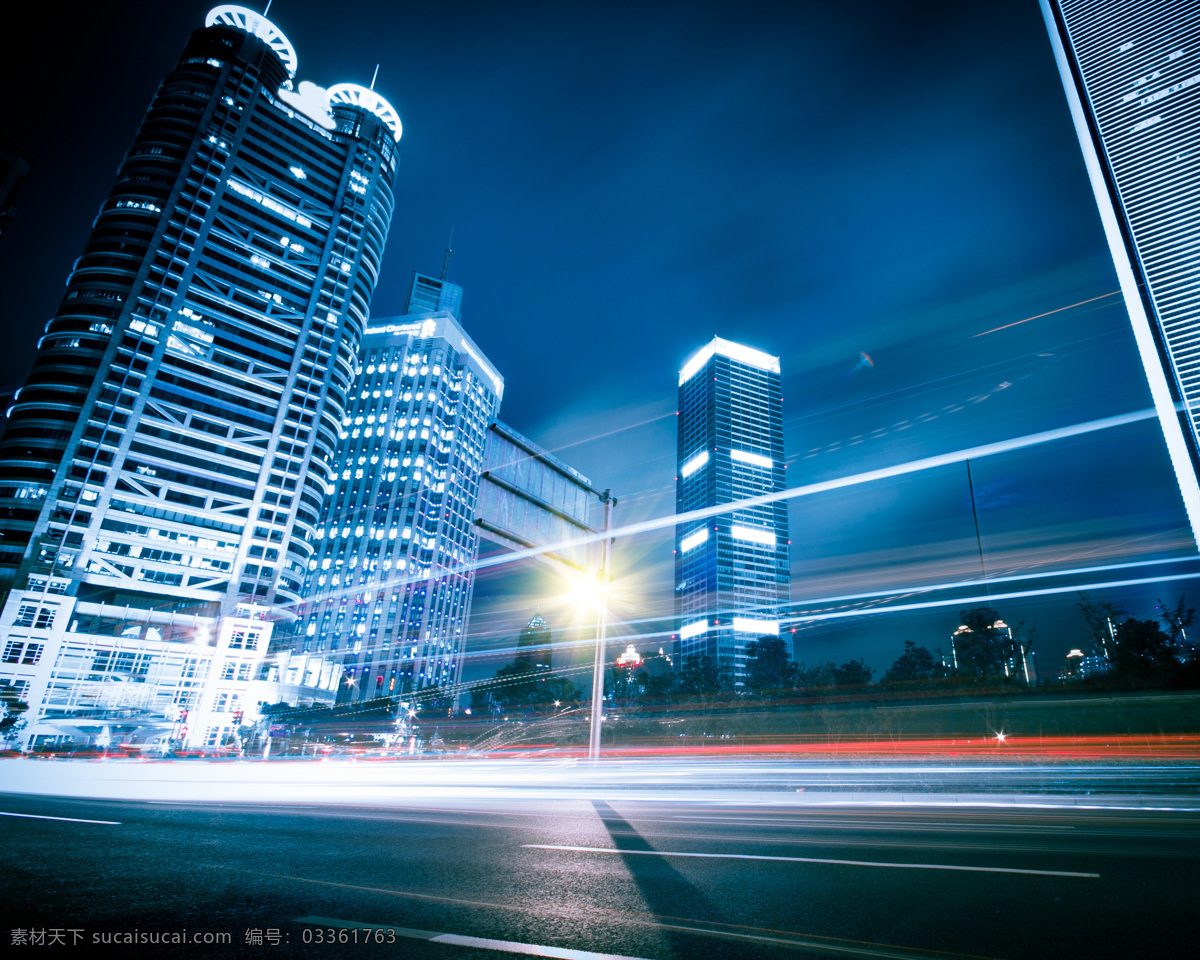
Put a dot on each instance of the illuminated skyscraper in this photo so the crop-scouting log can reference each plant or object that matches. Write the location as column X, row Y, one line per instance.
column 1132, row 76
column 390, row 586
column 167, row 460
column 732, row 572
column 533, row 644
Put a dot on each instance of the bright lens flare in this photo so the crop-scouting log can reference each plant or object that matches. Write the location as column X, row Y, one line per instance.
column 588, row 593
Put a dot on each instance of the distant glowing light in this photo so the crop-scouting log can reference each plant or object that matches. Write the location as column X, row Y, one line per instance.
column 734, row 351
column 629, row 657
column 693, row 629
column 694, row 464
column 755, row 459
column 764, row 628
column 752, row 534
column 693, row 539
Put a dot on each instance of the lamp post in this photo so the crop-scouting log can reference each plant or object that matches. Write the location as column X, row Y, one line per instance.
column 609, row 502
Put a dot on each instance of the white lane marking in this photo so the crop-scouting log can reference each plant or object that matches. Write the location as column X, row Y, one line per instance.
column 844, row 863
column 36, row 816
column 931, row 825
column 482, row 943
column 531, row 949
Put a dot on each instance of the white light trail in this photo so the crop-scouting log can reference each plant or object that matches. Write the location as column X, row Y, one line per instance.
column 1069, row 306
column 977, row 582
column 988, row 598
column 824, row 486
column 38, row 816
column 838, row 483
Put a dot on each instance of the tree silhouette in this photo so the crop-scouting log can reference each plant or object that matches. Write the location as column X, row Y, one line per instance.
column 769, row 670
column 913, row 665
column 699, row 677
column 1143, row 650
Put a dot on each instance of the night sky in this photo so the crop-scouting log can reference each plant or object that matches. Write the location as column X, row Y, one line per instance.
column 626, row 180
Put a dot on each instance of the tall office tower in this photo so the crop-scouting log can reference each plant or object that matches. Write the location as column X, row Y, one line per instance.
column 1132, row 76
column 427, row 295
column 167, row 460
column 389, row 589
column 533, row 644
column 732, row 573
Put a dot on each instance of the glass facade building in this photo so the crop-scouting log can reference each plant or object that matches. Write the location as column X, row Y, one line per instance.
column 732, row 573
column 389, row 589
column 1131, row 71
column 170, row 453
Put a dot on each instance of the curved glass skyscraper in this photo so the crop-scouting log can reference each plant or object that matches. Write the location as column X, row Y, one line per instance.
column 170, row 453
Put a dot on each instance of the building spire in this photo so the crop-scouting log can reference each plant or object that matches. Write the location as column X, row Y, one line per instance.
column 446, row 256
column 267, row 8
column 374, row 76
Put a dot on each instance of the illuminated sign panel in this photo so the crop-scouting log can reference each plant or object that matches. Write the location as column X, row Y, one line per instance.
column 694, row 464
column 734, row 351
column 754, row 459
column 763, row 628
column 752, row 534
column 693, row 539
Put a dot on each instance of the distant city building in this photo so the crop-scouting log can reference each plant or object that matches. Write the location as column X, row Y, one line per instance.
column 389, row 589
column 166, row 462
column 633, row 674
column 533, row 644
column 14, row 166
column 429, row 295
column 1132, row 78
column 1013, row 657
column 732, row 571
column 1080, row 665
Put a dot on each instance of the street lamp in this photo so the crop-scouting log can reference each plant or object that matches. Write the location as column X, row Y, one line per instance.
column 603, row 577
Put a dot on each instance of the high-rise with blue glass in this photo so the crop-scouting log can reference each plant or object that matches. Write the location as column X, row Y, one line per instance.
column 1131, row 71
column 388, row 594
column 166, row 462
column 732, row 574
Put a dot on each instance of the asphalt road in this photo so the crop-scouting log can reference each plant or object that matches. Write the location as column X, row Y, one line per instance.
column 636, row 879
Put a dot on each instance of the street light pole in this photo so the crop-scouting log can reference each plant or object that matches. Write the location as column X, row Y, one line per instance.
column 609, row 502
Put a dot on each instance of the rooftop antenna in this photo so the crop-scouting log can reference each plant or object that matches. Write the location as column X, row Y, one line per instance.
column 374, row 76
column 267, row 8
column 446, row 268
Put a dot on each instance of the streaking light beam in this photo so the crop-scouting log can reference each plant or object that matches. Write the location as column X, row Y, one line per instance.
column 1069, row 306
column 838, row 483
column 988, row 598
